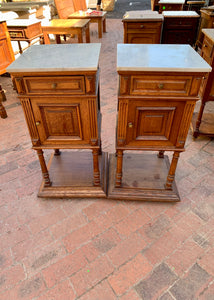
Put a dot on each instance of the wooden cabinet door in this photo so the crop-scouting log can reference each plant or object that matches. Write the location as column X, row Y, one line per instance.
column 6, row 51
column 64, row 121
column 154, row 122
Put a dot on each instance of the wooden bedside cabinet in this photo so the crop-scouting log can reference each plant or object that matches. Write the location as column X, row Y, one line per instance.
column 170, row 5
column 206, row 21
column 58, row 86
column 158, row 88
column 142, row 27
column 6, row 58
column 180, row 27
column 203, row 123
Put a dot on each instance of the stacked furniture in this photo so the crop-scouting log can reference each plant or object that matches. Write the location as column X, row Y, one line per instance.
column 203, row 123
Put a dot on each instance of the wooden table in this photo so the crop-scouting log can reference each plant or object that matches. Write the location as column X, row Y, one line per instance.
column 180, row 27
column 170, row 5
column 58, row 86
column 98, row 17
column 63, row 26
column 158, row 88
column 142, row 27
column 24, row 30
column 203, row 121
column 6, row 58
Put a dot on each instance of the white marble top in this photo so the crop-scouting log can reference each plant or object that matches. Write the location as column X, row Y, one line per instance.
column 159, row 57
column 22, row 22
column 171, row 1
column 180, row 13
column 58, row 58
column 142, row 15
column 209, row 32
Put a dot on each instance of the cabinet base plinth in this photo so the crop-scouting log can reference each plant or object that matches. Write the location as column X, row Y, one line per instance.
column 71, row 174
column 144, row 178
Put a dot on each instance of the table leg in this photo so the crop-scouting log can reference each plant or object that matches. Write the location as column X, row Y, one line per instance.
column 171, row 174
column 96, row 171
column 44, row 169
column 104, row 25
column 198, row 122
column 58, row 41
column 3, row 113
column 20, row 47
column 46, row 38
column 87, row 34
column 119, row 174
column 100, row 28
column 80, row 38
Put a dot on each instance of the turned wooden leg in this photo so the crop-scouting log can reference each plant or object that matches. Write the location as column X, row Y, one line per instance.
column 44, row 169
column 198, row 122
column 104, row 25
column 161, row 154
column 171, row 174
column 96, row 171
column 3, row 113
column 57, row 152
column 118, row 181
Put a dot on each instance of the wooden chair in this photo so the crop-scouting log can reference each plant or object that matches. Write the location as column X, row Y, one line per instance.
column 67, row 7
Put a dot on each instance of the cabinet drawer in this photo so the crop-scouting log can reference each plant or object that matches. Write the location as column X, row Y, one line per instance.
column 156, row 85
column 182, row 22
column 16, row 33
column 207, row 50
column 143, row 25
column 55, row 85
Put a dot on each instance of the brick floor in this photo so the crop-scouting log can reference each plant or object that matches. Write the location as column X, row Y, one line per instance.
column 92, row 249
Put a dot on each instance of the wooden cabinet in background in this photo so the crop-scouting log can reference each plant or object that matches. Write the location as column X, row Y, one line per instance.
column 206, row 21
column 180, row 27
column 142, row 27
column 6, row 58
column 158, row 88
column 58, row 86
column 203, row 123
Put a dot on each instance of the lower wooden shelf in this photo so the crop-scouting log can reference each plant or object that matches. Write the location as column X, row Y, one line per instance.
column 71, row 175
column 144, row 178
column 206, row 127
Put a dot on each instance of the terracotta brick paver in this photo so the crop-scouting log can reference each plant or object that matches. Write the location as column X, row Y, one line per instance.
column 92, row 249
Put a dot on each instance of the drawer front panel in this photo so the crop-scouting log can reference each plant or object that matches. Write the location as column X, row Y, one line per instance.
column 207, row 50
column 155, row 85
column 181, row 23
column 55, row 85
column 144, row 26
column 16, row 33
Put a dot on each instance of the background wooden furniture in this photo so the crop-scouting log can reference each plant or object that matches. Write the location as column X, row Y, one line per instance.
column 170, row 5
column 206, row 21
column 63, row 27
column 180, row 27
column 58, row 87
column 98, row 17
column 24, row 30
column 142, row 27
column 196, row 5
column 203, row 123
column 6, row 58
column 158, row 88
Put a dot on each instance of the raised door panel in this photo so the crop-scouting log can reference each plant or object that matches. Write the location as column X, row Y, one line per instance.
column 153, row 123
column 143, row 38
column 62, row 121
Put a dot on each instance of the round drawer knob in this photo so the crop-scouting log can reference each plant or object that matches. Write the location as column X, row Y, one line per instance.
column 141, row 26
column 38, row 123
column 205, row 46
column 54, row 85
column 130, row 124
column 160, row 86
